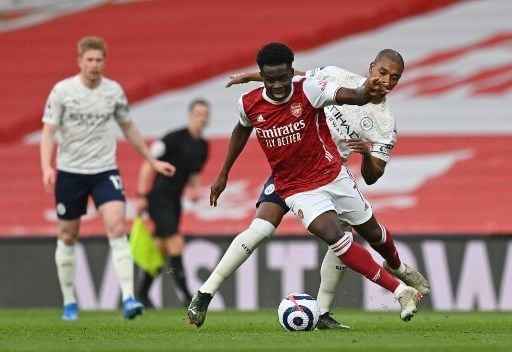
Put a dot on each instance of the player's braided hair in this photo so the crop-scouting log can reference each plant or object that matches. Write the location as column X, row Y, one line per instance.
column 273, row 54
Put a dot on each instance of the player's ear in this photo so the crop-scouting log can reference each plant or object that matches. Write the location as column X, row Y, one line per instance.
column 370, row 69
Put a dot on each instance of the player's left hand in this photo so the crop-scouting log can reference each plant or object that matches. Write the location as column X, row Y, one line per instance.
column 358, row 145
column 164, row 167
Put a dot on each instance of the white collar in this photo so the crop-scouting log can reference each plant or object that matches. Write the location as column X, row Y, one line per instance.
column 275, row 102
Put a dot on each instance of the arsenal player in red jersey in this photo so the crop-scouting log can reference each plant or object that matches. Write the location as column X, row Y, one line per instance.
column 287, row 115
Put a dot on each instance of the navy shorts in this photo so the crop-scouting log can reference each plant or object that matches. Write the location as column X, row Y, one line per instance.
column 165, row 212
column 72, row 192
column 268, row 194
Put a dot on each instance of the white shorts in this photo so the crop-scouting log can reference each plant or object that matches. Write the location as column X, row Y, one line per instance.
column 340, row 195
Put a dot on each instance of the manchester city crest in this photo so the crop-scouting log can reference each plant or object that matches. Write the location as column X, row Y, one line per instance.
column 366, row 123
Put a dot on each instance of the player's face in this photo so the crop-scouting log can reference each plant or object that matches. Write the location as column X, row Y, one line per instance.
column 277, row 80
column 92, row 63
column 199, row 116
column 388, row 71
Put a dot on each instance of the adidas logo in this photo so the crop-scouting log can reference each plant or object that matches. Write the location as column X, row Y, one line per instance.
column 376, row 277
column 260, row 118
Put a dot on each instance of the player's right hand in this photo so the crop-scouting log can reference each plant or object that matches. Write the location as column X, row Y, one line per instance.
column 375, row 87
column 237, row 78
column 141, row 204
column 164, row 167
column 358, row 145
column 217, row 188
column 49, row 179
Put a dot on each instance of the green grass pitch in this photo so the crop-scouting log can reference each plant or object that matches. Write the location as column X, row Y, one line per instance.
column 168, row 330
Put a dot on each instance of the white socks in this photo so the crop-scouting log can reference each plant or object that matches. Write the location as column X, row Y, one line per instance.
column 66, row 267
column 123, row 264
column 238, row 251
column 331, row 273
column 401, row 287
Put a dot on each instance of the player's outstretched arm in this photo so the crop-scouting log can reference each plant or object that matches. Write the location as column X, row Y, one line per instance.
column 238, row 140
column 246, row 77
column 360, row 96
column 132, row 134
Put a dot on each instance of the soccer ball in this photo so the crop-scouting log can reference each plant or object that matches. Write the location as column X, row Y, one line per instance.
column 298, row 312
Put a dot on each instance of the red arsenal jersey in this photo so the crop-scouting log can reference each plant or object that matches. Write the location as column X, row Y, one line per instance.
column 294, row 135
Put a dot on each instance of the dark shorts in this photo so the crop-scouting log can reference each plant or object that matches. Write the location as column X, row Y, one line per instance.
column 72, row 192
column 268, row 194
column 165, row 213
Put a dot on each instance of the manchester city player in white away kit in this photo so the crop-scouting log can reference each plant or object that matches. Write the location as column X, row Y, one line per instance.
column 352, row 128
column 82, row 110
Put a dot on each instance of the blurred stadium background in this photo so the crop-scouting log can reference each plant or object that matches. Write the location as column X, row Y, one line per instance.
column 447, row 192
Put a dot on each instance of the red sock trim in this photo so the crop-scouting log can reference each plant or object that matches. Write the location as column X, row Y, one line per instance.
column 388, row 250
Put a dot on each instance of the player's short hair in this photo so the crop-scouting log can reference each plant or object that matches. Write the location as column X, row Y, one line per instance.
column 195, row 102
column 391, row 54
column 273, row 54
column 91, row 43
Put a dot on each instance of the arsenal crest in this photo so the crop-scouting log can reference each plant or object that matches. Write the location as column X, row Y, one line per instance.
column 296, row 109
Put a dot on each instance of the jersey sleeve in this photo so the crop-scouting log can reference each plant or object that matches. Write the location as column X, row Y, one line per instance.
column 382, row 145
column 243, row 119
column 313, row 73
column 122, row 109
column 320, row 93
column 337, row 75
column 158, row 149
column 325, row 72
column 54, row 107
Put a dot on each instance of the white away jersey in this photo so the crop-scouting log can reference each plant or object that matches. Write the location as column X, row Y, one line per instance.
column 84, row 118
column 372, row 122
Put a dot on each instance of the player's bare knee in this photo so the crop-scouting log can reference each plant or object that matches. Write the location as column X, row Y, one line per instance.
column 370, row 234
column 115, row 230
column 327, row 235
column 328, row 230
column 68, row 237
column 371, row 230
column 270, row 212
column 336, row 234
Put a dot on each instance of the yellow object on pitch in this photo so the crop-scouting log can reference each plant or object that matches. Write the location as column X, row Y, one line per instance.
column 144, row 250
